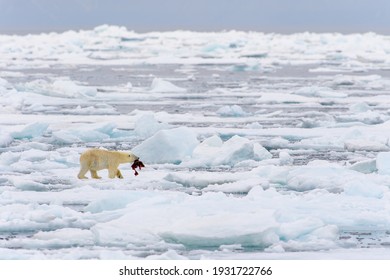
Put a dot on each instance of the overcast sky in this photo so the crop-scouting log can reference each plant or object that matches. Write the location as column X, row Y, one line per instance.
column 284, row 16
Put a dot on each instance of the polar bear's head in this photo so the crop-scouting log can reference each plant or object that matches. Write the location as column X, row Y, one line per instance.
column 132, row 157
column 128, row 157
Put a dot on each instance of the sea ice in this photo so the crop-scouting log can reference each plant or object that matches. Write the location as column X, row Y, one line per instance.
column 366, row 166
column 160, row 85
column 329, row 177
column 3, row 85
column 234, row 150
column 256, row 145
column 59, row 88
column 89, row 133
column 285, row 158
column 31, row 131
column 213, row 151
column 364, row 188
column 367, row 117
column 193, row 225
column 5, row 139
column 315, row 91
column 67, row 237
column 27, row 185
column 147, row 125
column 232, row 111
column 168, row 146
column 365, row 145
column 383, row 163
column 96, row 109
column 359, row 107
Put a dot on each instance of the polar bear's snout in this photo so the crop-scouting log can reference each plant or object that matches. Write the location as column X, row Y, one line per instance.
column 133, row 157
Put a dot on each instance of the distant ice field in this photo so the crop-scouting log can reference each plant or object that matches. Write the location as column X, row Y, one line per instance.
column 256, row 146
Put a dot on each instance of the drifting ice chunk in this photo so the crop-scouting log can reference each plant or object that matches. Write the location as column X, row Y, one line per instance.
column 255, row 125
column 232, row 111
column 27, row 185
column 234, row 150
column 9, row 158
column 65, row 137
column 129, row 86
column 76, row 136
column 199, row 180
column 383, row 163
column 59, row 88
column 367, row 166
column 147, row 126
column 110, row 202
column 208, row 148
column 97, row 109
column 300, row 227
column 245, row 67
column 365, row 145
column 240, row 186
column 285, row 158
column 311, row 177
column 34, row 155
column 364, row 188
column 168, row 146
column 169, row 255
column 5, row 139
column 70, row 88
column 213, row 151
column 100, row 132
column 3, row 84
column 368, row 117
column 65, row 237
column 160, row 85
column 315, row 91
column 31, row 131
column 365, row 81
column 342, row 80
column 359, row 107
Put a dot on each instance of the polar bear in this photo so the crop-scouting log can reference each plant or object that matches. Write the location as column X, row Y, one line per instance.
column 98, row 159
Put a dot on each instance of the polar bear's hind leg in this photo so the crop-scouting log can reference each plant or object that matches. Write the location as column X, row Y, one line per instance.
column 83, row 171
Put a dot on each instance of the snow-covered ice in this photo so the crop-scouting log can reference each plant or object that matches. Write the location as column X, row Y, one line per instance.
column 263, row 146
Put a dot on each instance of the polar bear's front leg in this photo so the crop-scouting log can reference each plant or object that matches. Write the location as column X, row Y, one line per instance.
column 119, row 174
column 95, row 175
column 112, row 172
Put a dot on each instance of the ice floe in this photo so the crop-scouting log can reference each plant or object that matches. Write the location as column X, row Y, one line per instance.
column 171, row 146
column 231, row 111
column 160, row 85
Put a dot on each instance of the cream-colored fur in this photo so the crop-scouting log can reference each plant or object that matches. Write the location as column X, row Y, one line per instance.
column 94, row 160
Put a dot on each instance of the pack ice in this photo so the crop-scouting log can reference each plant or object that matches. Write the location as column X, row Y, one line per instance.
column 256, row 146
